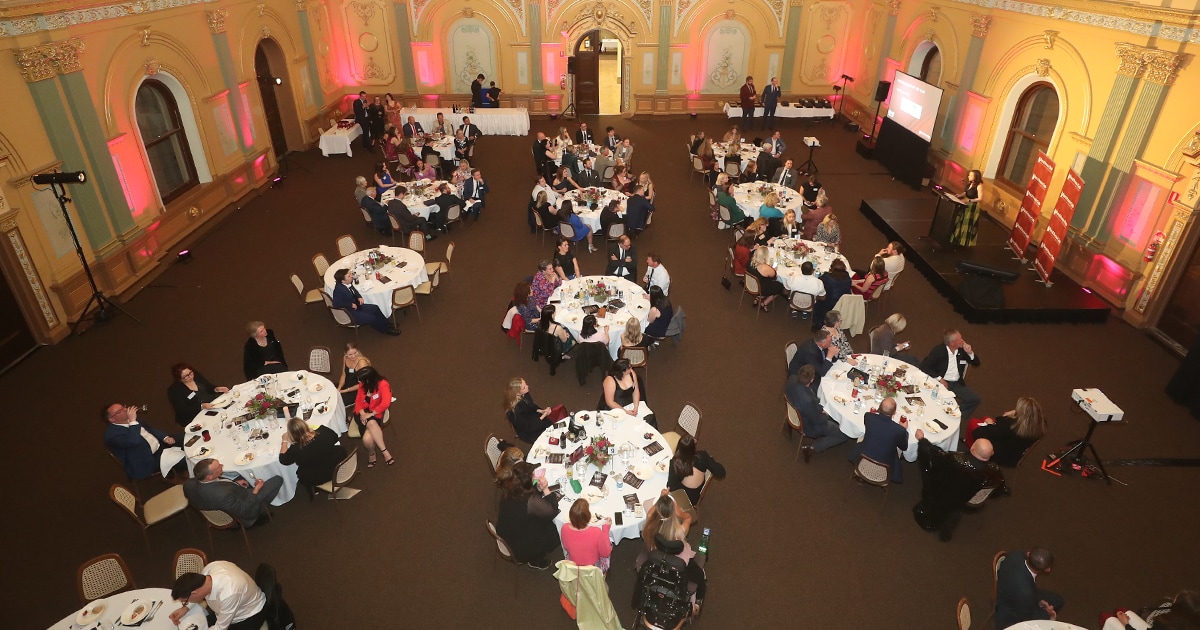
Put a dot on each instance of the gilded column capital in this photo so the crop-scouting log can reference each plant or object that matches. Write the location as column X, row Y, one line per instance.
column 1132, row 64
column 44, row 61
column 893, row 7
column 301, row 5
column 66, row 55
column 216, row 19
column 980, row 25
column 1162, row 66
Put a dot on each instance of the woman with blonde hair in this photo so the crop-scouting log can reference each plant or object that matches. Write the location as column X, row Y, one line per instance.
column 829, row 231
column 527, row 419
column 353, row 361
column 647, row 184
column 769, row 285
column 563, row 139
column 787, row 227
column 509, row 457
column 769, row 209
column 705, row 153
column 1012, row 433
column 632, row 337
column 883, row 336
column 316, row 453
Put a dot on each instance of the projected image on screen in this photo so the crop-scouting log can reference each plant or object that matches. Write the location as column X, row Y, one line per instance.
column 914, row 104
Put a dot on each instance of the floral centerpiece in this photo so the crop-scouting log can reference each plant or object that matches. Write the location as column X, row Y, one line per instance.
column 263, row 405
column 799, row 248
column 597, row 452
column 376, row 259
column 419, row 187
column 591, row 195
column 598, row 291
column 764, row 189
column 888, row 384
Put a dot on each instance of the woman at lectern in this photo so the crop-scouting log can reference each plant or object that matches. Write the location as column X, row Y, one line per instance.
column 967, row 222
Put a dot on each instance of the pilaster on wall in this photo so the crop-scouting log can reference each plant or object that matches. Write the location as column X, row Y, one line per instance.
column 958, row 101
column 664, row 47
column 791, row 44
column 216, row 26
column 310, row 54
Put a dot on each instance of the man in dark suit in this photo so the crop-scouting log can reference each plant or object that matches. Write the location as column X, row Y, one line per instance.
column 1017, row 596
column 746, row 97
column 785, row 175
column 412, row 128
column 817, row 424
column 208, row 490
column 477, row 91
column 137, row 446
column 363, row 118
column 583, row 135
column 377, row 211
column 609, row 216
column 637, row 209
column 346, row 296
column 767, row 164
column 407, row 220
column 952, row 373
column 475, row 192
column 770, row 101
column 602, row 163
column 587, row 176
column 622, row 259
column 883, row 438
column 949, row 480
column 611, row 139
column 817, row 352
column 470, row 131
column 543, row 157
column 444, row 202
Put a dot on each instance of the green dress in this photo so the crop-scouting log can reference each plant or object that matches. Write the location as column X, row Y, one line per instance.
column 966, row 224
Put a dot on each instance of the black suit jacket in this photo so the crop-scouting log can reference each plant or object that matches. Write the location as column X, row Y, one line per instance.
column 1017, row 594
column 471, row 131
column 789, row 177
column 812, row 415
column 612, row 142
column 938, row 359
column 582, row 136
column 587, row 177
column 225, row 495
column 883, row 436
column 407, row 220
column 345, row 296
column 620, row 264
column 477, row 93
column 809, row 353
column 360, row 112
column 637, row 209
column 412, row 129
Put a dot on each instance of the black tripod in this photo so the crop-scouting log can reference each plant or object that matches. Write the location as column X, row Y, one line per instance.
column 809, row 167
column 842, row 89
column 104, row 306
column 569, row 110
column 285, row 169
column 1075, row 460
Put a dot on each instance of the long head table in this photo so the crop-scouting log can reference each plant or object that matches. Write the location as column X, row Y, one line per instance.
column 789, row 111
column 496, row 121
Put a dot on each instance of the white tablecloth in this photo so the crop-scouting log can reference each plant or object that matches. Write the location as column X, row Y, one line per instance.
column 1044, row 624
column 232, row 445
column 419, row 194
column 835, row 395
column 115, row 605
column 570, row 308
column 592, row 150
column 749, row 198
column 336, row 140
column 734, row 111
column 620, row 428
column 787, row 263
column 500, row 121
column 444, row 146
column 746, row 151
column 380, row 293
column 590, row 217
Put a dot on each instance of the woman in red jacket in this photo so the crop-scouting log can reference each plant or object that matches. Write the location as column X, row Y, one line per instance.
column 374, row 398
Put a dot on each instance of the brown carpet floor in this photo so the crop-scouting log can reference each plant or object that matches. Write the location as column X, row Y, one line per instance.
column 793, row 545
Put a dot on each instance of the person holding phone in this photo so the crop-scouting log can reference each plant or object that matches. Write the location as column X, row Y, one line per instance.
column 370, row 404
column 586, row 544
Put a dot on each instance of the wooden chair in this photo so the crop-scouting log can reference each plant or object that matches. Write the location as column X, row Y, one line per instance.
column 637, row 357
column 402, row 298
column 801, row 302
column 730, row 267
column 416, row 241
column 444, row 265
column 724, row 218
column 430, row 285
column 346, row 245
column 311, row 296
column 396, row 228
column 367, row 218
column 321, row 265
column 794, row 422
column 435, row 160
column 712, row 203
column 734, row 169
column 616, row 231
column 751, row 287
column 541, row 226
column 566, row 231
column 341, row 317
column 789, row 352
column 502, row 551
column 318, row 360
column 738, row 233
column 219, row 520
column 103, row 576
column 688, row 422
column 453, row 215
column 491, row 451
column 872, row 472
column 136, row 483
column 155, row 510
column 345, row 471
column 997, row 560
column 963, row 614
column 708, row 477
column 697, row 167
column 188, row 560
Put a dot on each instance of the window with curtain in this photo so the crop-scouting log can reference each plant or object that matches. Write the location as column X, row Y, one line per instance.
column 1031, row 131
column 165, row 141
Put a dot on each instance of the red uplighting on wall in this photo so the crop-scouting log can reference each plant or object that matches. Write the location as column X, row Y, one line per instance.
column 972, row 121
column 1109, row 275
column 260, row 167
column 428, row 62
column 247, row 121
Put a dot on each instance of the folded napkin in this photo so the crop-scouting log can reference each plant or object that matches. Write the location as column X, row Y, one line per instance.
column 168, row 459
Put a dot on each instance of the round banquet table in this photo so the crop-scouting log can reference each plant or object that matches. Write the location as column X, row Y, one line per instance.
column 581, row 151
column 235, row 446
column 745, row 150
column 406, row 269
column 835, row 396
column 570, row 309
column 787, row 262
column 1044, row 624
column 749, row 197
column 444, row 145
column 591, row 216
column 419, row 192
column 620, row 428
column 115, row 605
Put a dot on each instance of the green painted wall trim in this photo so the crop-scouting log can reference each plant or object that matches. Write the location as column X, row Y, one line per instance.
column 315, row 91
column 1115, row 109
column 225, row 61
column 791, row 41
column 885, row 48
column 536, row 81
column 664, row 48
column 103, row 172
column 407, row 69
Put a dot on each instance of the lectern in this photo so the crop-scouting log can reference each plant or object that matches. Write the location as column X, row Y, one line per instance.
column 944, row 216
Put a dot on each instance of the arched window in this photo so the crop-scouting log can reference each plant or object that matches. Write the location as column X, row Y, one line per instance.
column 1031, row 131
column 931, row 66
column 165, row 140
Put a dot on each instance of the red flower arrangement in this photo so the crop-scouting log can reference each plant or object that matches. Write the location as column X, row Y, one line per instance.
column 888, row 384
column 263, row 405
column 597, row 452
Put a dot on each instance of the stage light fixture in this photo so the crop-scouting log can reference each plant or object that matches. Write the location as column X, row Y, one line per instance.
column 72, row 177
column 184, row 256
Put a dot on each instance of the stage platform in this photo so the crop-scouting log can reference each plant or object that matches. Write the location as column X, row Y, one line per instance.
column 1025, row 300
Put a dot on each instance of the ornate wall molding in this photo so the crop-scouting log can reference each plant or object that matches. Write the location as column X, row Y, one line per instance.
column 893, row 7
column 44, row 61
column 9, row 226
column 152, row 66
column 980, row 25
column 1050, row 37
column 216, row 20
column 1162, row 66
column 1131, row 62
column 1165, row 24
column 64, row 19
column 1042, row 68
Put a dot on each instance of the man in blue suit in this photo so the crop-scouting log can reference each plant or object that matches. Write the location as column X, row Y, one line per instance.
column 817, row 352
column 377, row 211
column 475, row 192
column 412, row 128
column 347, row 297
column 137, row 446
column 817, row 424
column 882, row 439
column 637, row 210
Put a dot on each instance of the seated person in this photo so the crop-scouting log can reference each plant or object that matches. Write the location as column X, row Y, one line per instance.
column 949, row 480
column 377, row 212
column 137, row 446
column 585, row 544
column 567, row 215
column 405, row 218
column 893, row 260
column 346, row 296
column 807, row 281
column 688, row 466
column 787, row 227
column 208, row 490
column 1018, row 596
column 769, row 285
column 670, row 548
column 545, row 281
column 882, row 438
column 316, row 453
column 742, row 250
column 770, row 207
column 191, row 393
column 1179, row 612
column 523, row 302
column 661, row 312
column 883, row 337
column 866, row 284
column 1011, row 434
column 526, row 518
column 232, row 597
column 526, row 418
column 565, row 263
column 817, row 424
column 818, row 353
column 620, row 390
column 444, row 201
column 725, row 199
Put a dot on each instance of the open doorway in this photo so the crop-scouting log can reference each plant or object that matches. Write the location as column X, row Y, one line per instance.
column 279, row 107
column 598, row 63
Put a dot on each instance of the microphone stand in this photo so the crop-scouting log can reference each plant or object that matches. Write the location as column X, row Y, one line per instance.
column 842, row 99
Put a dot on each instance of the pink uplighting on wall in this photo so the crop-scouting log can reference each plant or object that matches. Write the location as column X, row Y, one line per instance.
column 1108, row 273
column 135, row 181
column 247, row 121
column 428, row 62
column 972, row 120
column 554, row 65
column 260, row 167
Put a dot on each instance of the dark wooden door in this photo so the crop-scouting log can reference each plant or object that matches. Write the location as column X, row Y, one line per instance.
column 266, row 88
column 1181, row 319
column 587, row 76
column 16, row 340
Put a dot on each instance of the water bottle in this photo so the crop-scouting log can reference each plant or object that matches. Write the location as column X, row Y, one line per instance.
column 703, row 547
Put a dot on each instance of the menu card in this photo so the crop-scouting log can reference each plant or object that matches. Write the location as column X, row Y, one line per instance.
column 554, row 458
column 598, row 479
column 631, row 501
column 653, row 447
column 632, row 480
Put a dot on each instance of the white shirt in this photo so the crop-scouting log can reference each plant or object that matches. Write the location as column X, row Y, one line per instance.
column 146, row 435
column 551, row 194
column 811, row 285
column 658, row 276
column 235, row 596
column 893, row 265
column 952, row 374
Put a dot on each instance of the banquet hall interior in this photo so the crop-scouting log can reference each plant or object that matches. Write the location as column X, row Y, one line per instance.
column 197, row 124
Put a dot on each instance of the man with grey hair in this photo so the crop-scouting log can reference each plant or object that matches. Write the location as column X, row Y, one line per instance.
column 209, row 490
column 884, row 439
column 948, row 363
column 360, row 189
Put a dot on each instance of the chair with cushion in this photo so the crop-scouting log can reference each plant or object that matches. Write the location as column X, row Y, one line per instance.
column 321, row 265
column 157, row 509
column 435, row 161
column 725, row 219
column 346, row 245
column 345, row 471
column 729, row 264
column 396, row 228
column 637, row 357
column 188, row 560
column 793, row 422
column 616, row 230
column 734, row 169
column 566, row 231
column 697, row 167
column 589, row 356
column 502, row 551
column 403, row 298
column 341, row 318
column 789, row 352
column 541, row 226
column 311, row 296
column 219, row 520
column 713, row 206
column 609, row 172
column 997, row 560
column 872, row 472
column 318, row 360
column 963, row 614
column 416, row 241
column 453, row 215
column 444, row 265
column 136, row 483
column 688, row 422
column 430, row 285
column 367, row 218
column 751, row 287
column 103, row 576
column 491, row 451
column 801, row 302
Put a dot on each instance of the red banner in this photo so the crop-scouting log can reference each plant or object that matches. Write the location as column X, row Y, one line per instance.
column 1031, row 205
column 1052, row 238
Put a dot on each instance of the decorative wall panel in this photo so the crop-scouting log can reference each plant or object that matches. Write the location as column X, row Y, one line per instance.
column 726, row 57
column 647, row 68
column 50, row 213
column 370, row 43
column 472, row 52
column 824, row 48
column 225, row 130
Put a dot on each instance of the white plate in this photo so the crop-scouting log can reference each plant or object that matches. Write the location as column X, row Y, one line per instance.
column 643, row 471
column 245, row 458
column 316, row 387
column 202, row 451
column 195, row 427
column 222, row 401
column 593, row 494
column 136, row 612
column 91, row 613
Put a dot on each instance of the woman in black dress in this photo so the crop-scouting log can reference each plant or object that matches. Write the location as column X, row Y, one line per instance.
column 352, row 364
column 526, row 518
column 837, row 283
column 688, row 467
column 620, row 389
column 377, row 114
column 263, row 353
column 526, row 418
column 315, row 453
column 191, row 393
column 659, row 317
column 966, row 223
column 1012, row 433
column 769, row 286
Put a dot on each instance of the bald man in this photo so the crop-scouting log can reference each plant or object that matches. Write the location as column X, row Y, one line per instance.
column 949, row 480
column 882, row 437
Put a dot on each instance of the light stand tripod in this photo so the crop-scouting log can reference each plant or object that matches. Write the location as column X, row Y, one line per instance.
column 569, row 110
column 810, row 167
column 285, row 169
column 104, row 306
column 842, row 89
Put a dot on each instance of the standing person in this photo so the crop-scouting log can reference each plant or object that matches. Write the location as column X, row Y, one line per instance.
column 543, row 156
column 966, row 223
column 191, row 393
column 392, row 107
column 363, row 119
column 770, row 100
column 747, row 94
column 1018, row 597
column 353, row 361
column 477, row 91
column 948, row 363
column 370, row 404
column 262, row 354
column 227, row 591
column 346, row 297
column 656, row 274
column 378, row 117
column 493, row 93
